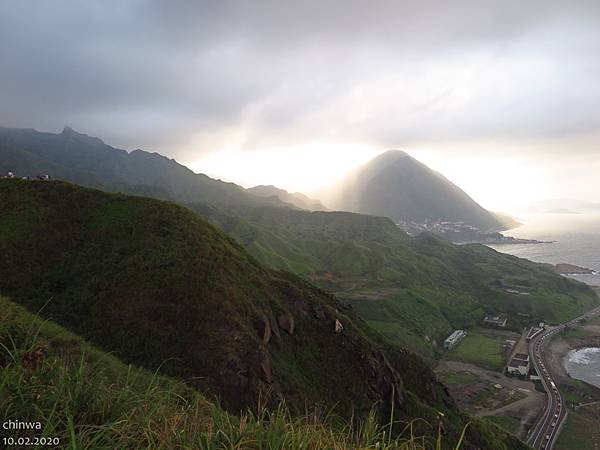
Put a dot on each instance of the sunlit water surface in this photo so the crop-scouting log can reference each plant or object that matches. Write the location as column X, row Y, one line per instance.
column 577, row 239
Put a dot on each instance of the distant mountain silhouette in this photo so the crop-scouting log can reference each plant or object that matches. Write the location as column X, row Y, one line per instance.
column 297, row 198
column 564, row 206
column 398, row 186
column 88, row 161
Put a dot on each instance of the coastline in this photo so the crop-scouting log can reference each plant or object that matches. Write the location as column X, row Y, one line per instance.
column 559, row 348
column 561, row 345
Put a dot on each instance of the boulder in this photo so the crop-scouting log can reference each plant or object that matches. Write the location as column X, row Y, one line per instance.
column 274, row 325
column 286, row 323
column 264, row 329
column 266, row 368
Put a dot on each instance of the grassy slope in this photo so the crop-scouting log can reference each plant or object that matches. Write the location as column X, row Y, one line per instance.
column 424, row 287
column 158, row 286
column 89, row 399
column 582, row 430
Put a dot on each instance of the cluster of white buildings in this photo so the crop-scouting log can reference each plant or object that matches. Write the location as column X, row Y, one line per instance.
column 39, row 177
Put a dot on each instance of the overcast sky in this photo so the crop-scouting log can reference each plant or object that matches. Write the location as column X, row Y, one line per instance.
column 502, row 97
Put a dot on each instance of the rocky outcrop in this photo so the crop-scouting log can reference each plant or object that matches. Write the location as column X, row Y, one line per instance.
column 384, row 381
column 571, row 269
column 266, row 367
column 274, row 326
column 286, row 323
column 264, row 329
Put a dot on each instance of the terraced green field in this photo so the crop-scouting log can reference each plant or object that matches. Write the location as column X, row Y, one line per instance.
column 480, row 349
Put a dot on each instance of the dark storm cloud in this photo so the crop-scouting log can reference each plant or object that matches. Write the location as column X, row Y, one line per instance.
column 167, row 75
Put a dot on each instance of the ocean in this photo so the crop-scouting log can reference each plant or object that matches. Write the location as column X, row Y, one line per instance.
column 584, row 364
column 577, row 239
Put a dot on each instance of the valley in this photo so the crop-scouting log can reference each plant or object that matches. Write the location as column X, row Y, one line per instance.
column 234, row 329
column 301, row 225
column 413, row 289
column 277, row 278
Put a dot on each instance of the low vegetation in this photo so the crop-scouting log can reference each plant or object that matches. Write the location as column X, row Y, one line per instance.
column 509, row 423
column 362, row 255
column 415, row 291
column 157, row 286
column 582, row 430
column 481, row 349
column 457, row 378
column 90, row 400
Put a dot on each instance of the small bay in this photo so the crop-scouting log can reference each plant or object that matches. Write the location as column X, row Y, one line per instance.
column 584, row 364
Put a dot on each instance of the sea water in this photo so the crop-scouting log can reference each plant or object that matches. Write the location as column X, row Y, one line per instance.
column 584, row 364
column 577, row 241
column 576, row 236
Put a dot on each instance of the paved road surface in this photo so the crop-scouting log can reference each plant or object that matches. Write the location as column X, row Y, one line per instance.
column 545, row 432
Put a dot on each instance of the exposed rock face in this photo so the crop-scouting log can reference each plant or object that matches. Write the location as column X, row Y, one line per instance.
column 266, row 368
column 286, row 323
column 385, row 382
column 264, row 329
column 274, row 326
column 338, row 326
column 571, row 269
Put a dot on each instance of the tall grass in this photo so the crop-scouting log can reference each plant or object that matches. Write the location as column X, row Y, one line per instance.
column 90, row 400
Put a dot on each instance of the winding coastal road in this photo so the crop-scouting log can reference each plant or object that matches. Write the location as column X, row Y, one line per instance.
column 545, row 432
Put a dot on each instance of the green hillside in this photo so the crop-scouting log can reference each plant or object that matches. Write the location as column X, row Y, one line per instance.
column 413, row 290
column 297, row 199
column 161, row 288
column 417, row 289
column 88, row 399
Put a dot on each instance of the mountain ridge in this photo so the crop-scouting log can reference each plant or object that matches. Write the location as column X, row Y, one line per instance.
column 396, row 185
column 88, row 161
column 295, row 198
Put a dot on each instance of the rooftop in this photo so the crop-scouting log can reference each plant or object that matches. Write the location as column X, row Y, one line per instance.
column 516, row 362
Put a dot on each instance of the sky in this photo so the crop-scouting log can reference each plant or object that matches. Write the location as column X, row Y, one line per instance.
column 501, row 97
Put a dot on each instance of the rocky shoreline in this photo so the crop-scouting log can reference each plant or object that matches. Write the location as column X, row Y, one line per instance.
column 560, row 347
column 571, row 269
column 494, row 239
